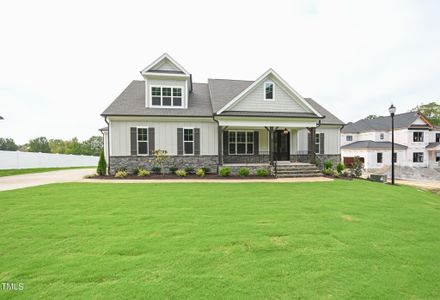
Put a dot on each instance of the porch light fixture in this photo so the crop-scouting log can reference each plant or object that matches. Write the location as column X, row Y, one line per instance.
column 392, row 111
column 286, row 131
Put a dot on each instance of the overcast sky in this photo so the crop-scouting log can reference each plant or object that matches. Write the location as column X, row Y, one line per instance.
column 62, row 63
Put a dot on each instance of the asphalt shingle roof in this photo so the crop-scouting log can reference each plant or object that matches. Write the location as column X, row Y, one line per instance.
column 204, row 100
column 381, row 123
column 373, row 145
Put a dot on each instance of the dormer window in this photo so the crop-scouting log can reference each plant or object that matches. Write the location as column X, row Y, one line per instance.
column 162, row 96
column 268, row 91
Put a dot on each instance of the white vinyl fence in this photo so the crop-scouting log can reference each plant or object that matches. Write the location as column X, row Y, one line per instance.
column 24, row 160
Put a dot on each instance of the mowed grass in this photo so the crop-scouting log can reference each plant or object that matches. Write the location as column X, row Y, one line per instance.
column 10, row 172
column 328, row 240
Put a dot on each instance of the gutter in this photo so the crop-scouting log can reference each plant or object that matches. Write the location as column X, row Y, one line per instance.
column 108, row 144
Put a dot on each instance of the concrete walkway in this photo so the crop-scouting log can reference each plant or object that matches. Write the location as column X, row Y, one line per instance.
column 34, row 179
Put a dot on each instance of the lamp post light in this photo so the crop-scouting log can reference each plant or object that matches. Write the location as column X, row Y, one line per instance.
column 392, row 111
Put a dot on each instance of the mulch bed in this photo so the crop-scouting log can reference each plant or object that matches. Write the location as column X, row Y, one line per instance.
column 190, row 176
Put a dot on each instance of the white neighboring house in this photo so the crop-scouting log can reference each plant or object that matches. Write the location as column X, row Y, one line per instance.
column 218, row 123
column 417, row 142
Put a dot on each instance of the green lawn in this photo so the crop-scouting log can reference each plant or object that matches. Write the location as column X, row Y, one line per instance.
column 328, row 240
column 9, row 172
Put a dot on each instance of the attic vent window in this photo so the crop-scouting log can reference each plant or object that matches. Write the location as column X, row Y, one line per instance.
column 166, row 96
column 268, row 91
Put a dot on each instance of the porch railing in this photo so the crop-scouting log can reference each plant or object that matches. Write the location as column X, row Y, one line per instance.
column 262, row 157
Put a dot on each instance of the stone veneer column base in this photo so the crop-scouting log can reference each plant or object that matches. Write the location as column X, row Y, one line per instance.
column 130, row 163
column 335, row 158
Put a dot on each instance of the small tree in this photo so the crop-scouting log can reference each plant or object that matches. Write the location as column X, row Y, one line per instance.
column 357, row 166
column 102, row 164
column 160, row 158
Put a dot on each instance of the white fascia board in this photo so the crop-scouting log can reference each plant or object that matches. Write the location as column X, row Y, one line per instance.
column 160, row 119
column 259, row 81
column 254, row 122
column 162, row 57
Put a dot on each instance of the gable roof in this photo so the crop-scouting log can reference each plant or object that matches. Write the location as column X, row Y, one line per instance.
column 373, row 145
column 254, row 84
column 131, row 102
column 382, row 123
column 164, row 57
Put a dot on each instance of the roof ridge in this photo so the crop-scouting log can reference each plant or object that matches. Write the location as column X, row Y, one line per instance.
column 231, row 79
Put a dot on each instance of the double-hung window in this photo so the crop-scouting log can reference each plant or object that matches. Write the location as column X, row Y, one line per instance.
column 268, row 91
column 349, row 138
column 142, row 141
column 317, row 142
column 437, row 137
column 166, row 96
column 418, row 136
column 241, row 142
column 418, row 157
column 382, row 136
column 379, row 157
column 188, row 141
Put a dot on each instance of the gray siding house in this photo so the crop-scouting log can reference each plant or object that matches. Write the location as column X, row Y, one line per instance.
column 221, row 122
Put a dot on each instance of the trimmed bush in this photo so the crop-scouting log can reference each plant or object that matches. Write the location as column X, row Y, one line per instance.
column 181, row 173
column 173, row 169
column 189, row 170
column 143, row 173
column 262, row 172
column 336, row 174
column 328, row 172
column 340, row 167
column 102, row 165
column 200, row 172
column 206, row 169
column 225, row 172
column 328, row 164
column 121, row 174
column 156, row 170
column 243, row 172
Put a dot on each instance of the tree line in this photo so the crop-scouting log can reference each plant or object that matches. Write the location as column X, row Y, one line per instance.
column 91, row 146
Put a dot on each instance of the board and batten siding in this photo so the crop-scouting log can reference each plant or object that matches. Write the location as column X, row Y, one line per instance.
column 165, row 135
column 254, row 101
column 332, row 139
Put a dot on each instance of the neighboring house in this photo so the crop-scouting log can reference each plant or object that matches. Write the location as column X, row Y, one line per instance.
column 417, row 142
column 222, row 122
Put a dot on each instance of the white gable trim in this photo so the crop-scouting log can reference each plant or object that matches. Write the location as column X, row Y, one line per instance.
column 258, row 82
column 161, row 58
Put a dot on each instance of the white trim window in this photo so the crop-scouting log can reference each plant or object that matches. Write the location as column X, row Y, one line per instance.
column 417, row 136
column 166, row 96
column 349, row 138
column 188, row 141
column 382, row 136
column 379, row 157
column 317, row 143
column 142, row 140
column 418, row 157
column 269, row 90
column 241, row 142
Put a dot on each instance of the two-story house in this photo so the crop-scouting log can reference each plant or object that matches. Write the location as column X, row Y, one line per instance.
column 219, row 123
column 417, row 142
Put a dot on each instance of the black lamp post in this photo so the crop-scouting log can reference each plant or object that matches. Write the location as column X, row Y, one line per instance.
column 392, row 111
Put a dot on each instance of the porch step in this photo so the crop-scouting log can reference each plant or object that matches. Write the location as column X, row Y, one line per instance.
column 298, row 170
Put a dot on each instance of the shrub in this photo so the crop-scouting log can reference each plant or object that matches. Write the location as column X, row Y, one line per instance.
column 327, row 171
column 357, row 166
column 340, row 167
column 189, row 170
column 102, row 165
column 121, row 174
column 206, row 169
column 172, row 169
column 243, row 172
column 143, row 173
column 317, row 161
column 346, row 173
column 156, row 170
column 200, row 172
column 181, row 173
column 328, row 164
column 336, row 174
column 262, row 172
column 225, row 172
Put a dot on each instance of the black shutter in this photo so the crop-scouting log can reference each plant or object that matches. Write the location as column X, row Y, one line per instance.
column 133, row 141
column 196, row 141
column 256, row 143
column 321, row 143
column 151, row 140
column 179, row 141
column 309, row 138
column 225, row 143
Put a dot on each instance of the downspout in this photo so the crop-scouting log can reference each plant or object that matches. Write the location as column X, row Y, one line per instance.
column 108, row 144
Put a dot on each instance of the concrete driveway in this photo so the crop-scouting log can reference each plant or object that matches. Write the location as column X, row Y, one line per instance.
column 27, row 180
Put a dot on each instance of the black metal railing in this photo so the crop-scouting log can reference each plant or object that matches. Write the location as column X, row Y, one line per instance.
column 256, row 158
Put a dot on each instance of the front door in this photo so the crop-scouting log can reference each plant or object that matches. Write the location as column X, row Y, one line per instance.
column 281, row 143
